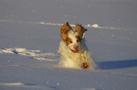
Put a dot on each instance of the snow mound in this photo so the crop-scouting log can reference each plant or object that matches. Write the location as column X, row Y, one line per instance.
column 26, row 85
column 36, row 54
column 39, row 87
column 11, row 84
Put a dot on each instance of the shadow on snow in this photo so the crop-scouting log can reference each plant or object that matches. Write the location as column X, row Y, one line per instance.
column 117, row 64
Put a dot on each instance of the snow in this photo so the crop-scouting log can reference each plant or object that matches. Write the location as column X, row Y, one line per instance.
column 36, row 54
column 30, row 37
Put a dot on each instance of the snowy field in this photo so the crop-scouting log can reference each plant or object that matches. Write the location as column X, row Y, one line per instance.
column 30, row 37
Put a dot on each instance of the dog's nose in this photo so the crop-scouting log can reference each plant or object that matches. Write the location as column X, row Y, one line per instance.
column 76, row 47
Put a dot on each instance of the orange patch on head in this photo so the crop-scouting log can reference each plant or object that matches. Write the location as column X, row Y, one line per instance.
column 64, row 30
column 80, row 30
column 69, row 41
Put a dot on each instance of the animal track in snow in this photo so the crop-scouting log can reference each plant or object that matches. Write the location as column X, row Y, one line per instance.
column 36, row 54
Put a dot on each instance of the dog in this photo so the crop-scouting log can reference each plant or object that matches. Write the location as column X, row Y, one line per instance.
column 73, row 50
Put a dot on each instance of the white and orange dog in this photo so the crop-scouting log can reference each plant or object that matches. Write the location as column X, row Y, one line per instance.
column 73, row 50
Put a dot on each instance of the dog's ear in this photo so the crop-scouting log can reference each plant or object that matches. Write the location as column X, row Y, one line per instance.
column 80, row 30
column 64, row 30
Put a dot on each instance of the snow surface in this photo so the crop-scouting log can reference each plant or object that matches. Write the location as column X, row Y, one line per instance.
column 30, row 37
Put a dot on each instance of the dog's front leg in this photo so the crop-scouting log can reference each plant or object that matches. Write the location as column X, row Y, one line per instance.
column 85, row 63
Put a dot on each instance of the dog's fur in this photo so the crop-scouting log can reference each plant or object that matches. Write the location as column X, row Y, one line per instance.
column 73, row 49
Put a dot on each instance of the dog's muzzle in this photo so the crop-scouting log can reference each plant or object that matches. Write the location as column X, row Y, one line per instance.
column 76, row 49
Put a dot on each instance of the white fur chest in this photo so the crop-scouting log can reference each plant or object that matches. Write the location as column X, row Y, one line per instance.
column 68, row 58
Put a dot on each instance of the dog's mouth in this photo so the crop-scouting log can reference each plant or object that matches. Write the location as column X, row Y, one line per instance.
column 75, row 51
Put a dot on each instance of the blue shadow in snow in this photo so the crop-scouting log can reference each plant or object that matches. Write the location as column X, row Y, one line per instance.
column 30, row 84
column 117, row 64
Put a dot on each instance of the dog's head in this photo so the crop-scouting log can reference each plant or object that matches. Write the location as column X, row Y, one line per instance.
column 71, row 37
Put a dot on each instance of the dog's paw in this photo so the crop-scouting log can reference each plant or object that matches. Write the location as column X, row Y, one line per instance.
column 84, row 65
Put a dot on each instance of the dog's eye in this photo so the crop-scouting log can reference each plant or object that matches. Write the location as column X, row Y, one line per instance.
column 78, row 40
column 70, row 41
